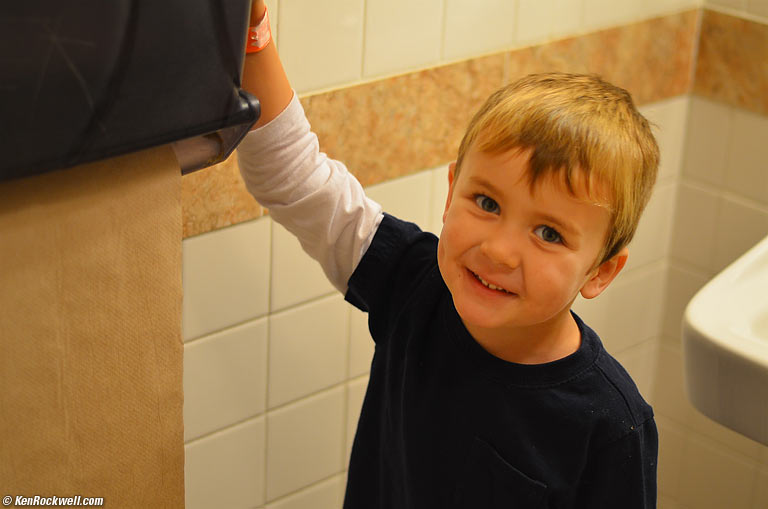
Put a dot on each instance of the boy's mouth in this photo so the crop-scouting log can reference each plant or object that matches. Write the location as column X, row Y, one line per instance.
column 490, row 285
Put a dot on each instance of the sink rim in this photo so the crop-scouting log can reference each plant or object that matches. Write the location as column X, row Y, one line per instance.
column 740, row 340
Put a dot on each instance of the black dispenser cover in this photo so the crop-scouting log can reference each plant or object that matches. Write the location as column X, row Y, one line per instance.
column 82, row 80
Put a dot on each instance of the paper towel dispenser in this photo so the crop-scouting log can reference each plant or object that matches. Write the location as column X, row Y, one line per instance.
column 82, row 80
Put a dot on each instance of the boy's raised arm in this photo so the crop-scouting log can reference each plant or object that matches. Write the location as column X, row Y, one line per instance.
column 312, row 196
column 264, row 76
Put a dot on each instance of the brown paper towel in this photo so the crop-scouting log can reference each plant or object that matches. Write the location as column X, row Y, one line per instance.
column 90, row 333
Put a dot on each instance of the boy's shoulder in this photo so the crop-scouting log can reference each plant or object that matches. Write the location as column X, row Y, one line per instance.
column 397, row 281
column 619, row 393
column 399, row 257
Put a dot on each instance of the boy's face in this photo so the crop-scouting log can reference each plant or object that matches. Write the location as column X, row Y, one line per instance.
column 514, row 260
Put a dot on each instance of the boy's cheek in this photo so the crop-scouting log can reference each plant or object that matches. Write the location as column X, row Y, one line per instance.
column 443, row 244
column 442, row 261
column 449, row 247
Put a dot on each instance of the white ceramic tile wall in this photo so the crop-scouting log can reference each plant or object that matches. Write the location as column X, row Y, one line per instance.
column 669, row 393
column 747, row 168
column 683, row 433
column 720, row 212
column 341, row 42
column 673, row 405
column 225, row 378
column 225, row 276
column 714, row 477
column 640, row 362
column 661, row 7
column 408, row 198
column 671, row 447
column 603, row 13
column 401, row 35
column 541, row 20
column 668, row 122
column 473, row 27
column 439, row 196
column 305, row 442
column 629, row 311
column 752, row 9
column 307, row 349
column 321, row 43
column 740, row 225
column 652, row 238
column 740, row 5
column 295, row 277
column 694, row 228
column 226, row 469
column 328, row 494
column 758, row 8
column 707, row 136
column 723, row 199
column 682, row 284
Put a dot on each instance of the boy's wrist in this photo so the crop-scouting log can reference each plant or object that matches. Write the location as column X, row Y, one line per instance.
column 260, row 33
column 258, row 8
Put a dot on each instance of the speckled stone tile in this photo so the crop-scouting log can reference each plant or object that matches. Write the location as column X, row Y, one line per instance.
column 216, row 197
column 732, row 64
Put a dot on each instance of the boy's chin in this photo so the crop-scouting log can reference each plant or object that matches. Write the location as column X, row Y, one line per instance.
column 481, row 319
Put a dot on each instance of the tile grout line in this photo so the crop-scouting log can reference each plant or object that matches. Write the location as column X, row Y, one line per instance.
column 314, row 484
column 266, row 413
column 364, row 33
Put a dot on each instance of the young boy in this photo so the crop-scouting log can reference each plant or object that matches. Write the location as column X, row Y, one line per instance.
column 485, row 390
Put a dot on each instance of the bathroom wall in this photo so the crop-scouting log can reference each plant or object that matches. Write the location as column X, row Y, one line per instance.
column 721, row 211
column 276, row 363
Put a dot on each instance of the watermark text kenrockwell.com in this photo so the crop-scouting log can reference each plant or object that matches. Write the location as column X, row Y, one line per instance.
column 73, row 501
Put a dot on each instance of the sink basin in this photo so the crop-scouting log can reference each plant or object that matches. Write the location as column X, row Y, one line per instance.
column 725, row 346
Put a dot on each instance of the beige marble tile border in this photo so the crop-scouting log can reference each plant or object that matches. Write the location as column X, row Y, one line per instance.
column 216, row 197
column 400, row 125
column 732, row 63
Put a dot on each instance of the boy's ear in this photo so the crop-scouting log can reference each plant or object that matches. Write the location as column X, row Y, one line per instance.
column 602, row 276
column 451, row 180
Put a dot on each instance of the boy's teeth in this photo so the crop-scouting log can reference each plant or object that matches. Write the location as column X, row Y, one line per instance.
column 490, row 285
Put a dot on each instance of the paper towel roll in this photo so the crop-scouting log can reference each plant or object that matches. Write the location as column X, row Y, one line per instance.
column 90, row 333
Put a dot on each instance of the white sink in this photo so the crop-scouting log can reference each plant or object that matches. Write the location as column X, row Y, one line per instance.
column 725, row 346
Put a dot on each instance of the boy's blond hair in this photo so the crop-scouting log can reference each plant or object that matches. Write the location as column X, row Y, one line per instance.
column 575, row 123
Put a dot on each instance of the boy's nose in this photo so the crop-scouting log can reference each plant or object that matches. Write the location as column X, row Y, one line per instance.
column 502, row 249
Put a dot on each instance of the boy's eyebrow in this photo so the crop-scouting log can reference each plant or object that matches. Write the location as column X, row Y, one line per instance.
column 562, row 224
column 484, row 183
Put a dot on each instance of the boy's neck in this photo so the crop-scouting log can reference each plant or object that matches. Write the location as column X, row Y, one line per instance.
column 540, row 344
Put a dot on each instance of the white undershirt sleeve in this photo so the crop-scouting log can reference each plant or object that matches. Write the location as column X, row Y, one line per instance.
column 312, row 196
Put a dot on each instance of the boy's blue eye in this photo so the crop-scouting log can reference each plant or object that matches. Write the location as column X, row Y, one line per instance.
column 487, row 204
column 548, row 234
